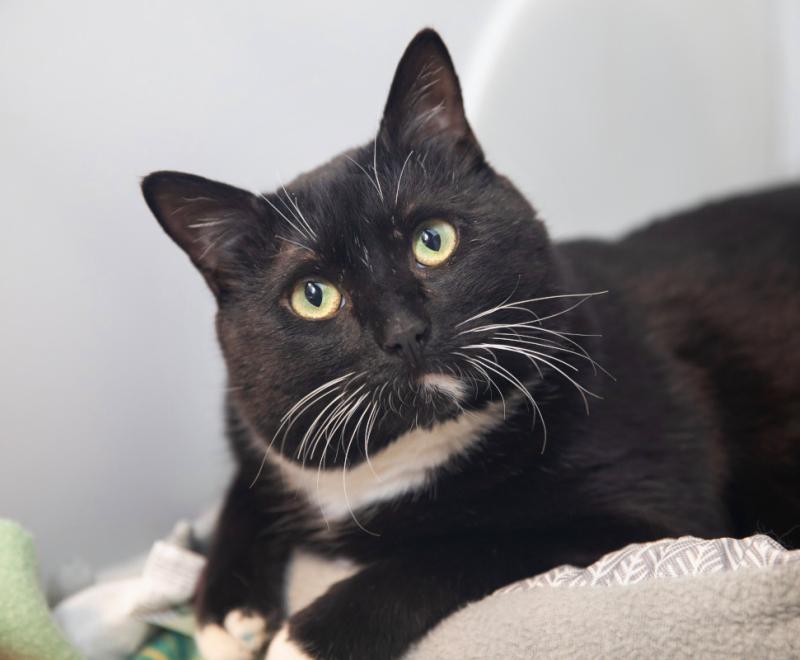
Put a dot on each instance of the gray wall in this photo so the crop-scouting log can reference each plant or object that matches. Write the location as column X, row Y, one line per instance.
column 110, row 379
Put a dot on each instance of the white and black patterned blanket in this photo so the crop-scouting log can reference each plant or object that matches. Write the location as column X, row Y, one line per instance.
column 675, row 598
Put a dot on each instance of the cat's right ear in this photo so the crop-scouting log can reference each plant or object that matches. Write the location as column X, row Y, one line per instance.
column 209, row 221
column 425, row 98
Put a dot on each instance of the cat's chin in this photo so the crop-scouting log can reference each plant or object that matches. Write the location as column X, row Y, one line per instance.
column 443, row 383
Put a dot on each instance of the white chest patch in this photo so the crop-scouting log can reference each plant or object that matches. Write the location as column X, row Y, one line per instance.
column 405, row 465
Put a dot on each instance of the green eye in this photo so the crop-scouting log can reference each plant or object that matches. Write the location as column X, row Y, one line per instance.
column 315, row 299
column 434, row 241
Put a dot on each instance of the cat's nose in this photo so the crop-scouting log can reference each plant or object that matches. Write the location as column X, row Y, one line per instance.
column 405, row 335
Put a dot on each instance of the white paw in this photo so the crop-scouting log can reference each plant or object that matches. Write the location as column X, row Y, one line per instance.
column 242, row 635
column 282, row 648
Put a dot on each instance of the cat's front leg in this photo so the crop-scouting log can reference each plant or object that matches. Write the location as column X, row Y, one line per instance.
column 381, row 611
column 391, row 603
column 239, row 601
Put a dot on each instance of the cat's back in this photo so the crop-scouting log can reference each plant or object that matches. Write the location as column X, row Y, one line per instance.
column 717, row 290
column 723, row 275
column 735, row 260
column 737, row 235
column 749, row 235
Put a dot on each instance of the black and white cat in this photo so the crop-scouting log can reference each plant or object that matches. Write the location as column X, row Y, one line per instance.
column 421, row 386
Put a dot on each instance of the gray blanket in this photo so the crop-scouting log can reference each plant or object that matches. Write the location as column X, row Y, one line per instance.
column 683, row 598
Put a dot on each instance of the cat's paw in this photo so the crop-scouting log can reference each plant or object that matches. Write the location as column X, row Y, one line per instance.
column 241, row 635
column 283, row 648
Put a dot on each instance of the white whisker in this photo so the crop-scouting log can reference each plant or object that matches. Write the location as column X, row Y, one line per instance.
column 367, row 174
column 299, row 215
column 511, row 378
column 295, row 243
column 375, row 167
column 521, row 350
column 400, row 177
column 530, row 324
column 490, row 382
column 285, row 217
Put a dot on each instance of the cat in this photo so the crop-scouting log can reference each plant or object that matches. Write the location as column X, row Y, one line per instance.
column 433, row 397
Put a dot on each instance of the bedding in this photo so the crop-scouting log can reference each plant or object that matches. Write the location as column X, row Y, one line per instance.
column 676, row 598
column 683, row 597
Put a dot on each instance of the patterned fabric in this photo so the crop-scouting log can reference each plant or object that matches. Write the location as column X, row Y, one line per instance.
column 668, row 558
column 168, row 645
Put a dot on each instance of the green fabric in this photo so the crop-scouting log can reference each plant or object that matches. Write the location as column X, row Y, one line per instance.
column 168, row 645
column 26, row 630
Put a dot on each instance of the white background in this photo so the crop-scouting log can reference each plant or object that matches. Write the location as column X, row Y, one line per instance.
column 604, row 112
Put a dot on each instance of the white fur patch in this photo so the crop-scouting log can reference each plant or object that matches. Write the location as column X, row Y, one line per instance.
column 282, row 648
column 444, row 383
column 250, row 630
column 242, row 635
column 309, row 575
column 214, row 643
column 404, row 465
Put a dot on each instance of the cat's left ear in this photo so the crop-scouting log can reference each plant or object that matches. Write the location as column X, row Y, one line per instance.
column 425, row 100
column 211, row 221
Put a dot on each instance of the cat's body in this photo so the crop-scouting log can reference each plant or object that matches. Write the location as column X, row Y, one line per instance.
column 712, row 299
column 432, row 427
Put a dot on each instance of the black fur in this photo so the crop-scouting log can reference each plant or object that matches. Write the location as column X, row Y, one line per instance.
column 697, row 432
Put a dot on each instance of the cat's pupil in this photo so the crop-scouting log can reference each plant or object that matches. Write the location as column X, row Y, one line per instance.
column 431, row 239
column 314, row 293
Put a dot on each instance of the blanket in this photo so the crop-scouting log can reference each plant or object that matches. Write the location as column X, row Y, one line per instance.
column 26, row 630
column 677, row 598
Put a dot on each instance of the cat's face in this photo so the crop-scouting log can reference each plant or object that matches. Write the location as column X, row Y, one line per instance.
column 345, row 298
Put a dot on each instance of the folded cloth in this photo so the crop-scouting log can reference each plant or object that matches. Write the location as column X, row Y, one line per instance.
column 26, row 630
column 110, row 620
column 676, row 598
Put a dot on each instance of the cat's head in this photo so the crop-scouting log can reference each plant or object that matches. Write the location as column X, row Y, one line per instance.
column 352, row 301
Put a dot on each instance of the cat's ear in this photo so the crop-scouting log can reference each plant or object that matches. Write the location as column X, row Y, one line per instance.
column 425, row 98
column 207, row 219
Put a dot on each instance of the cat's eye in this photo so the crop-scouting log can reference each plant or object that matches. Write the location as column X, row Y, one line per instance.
column 434, row 241
column 315, row 299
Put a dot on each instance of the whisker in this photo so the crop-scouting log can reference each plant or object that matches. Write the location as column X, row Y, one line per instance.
column 367, row 174
column 343, row 419
column 526, row 324
column 565, row 336
column 375, row 167
column 347, row 496
column 511, row 378
column 208, row 223
column 521, row 350
column 290, row 241
column 301, row 218
column 490, row 382
column 368, row 433
column 311, row 445
column 329, row 435
column 552, row 344
column 329, row 383
column 327, row 429
column 320, row 392
column 516, row 304
column 284, row 216
column 313, row 424
column 535, row 355
column 400, row 177
column 505, row 373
